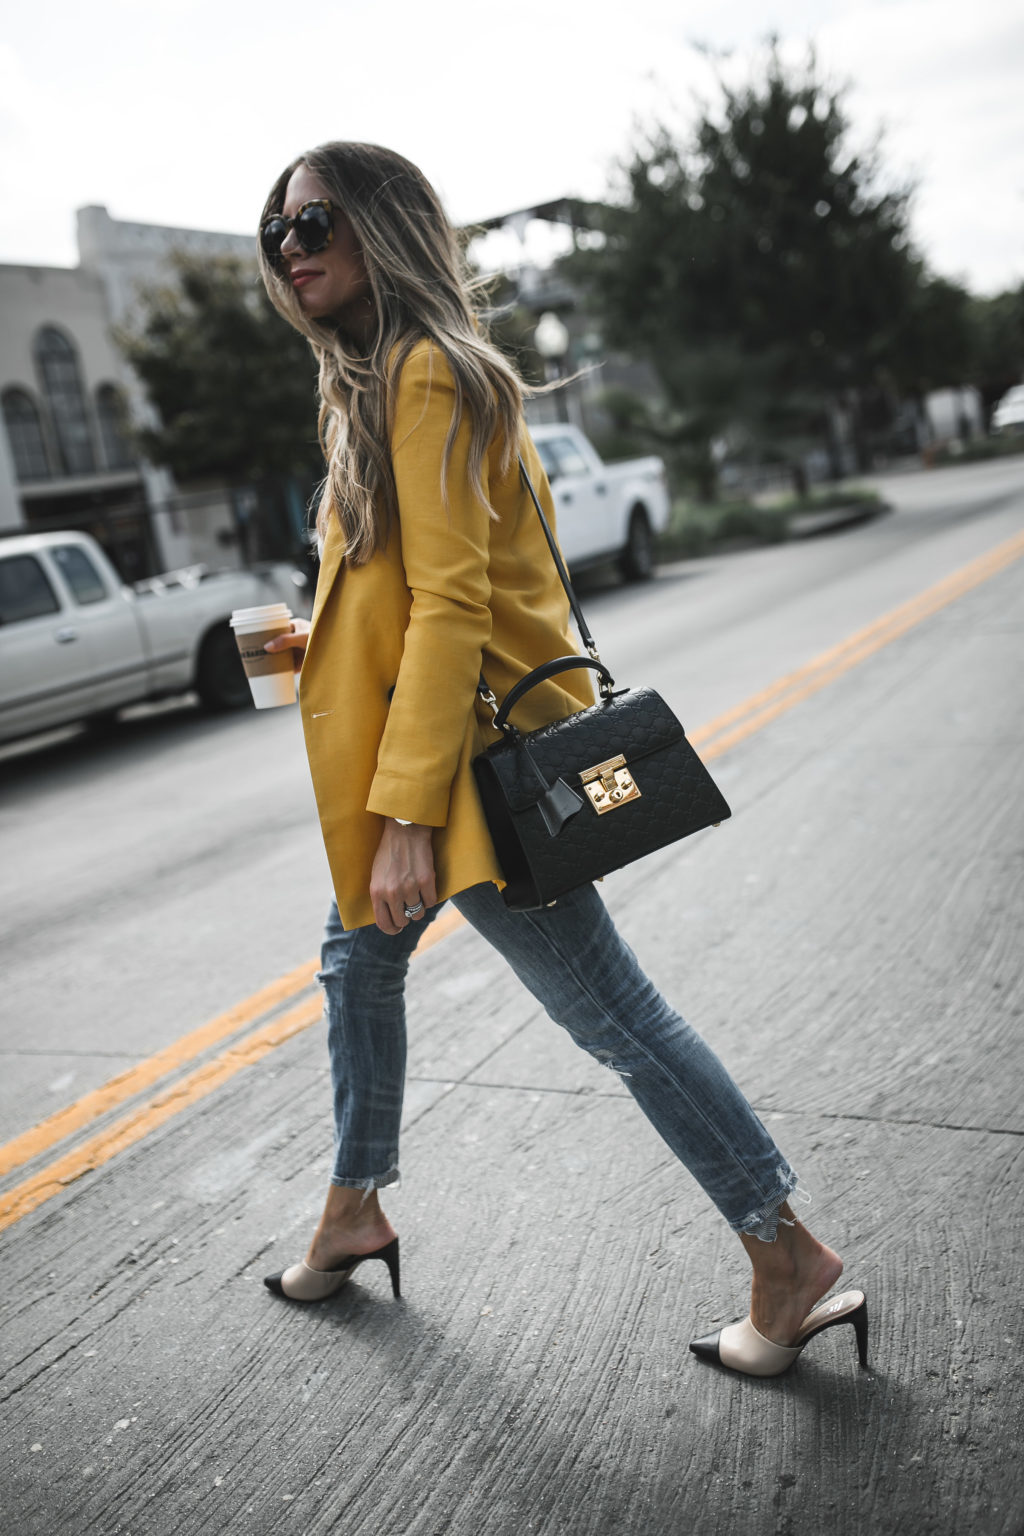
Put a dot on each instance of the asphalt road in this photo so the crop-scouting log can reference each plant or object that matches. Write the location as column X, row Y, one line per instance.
column 851, row 944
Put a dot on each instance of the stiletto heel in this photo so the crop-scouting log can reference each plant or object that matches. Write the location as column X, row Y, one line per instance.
column 742, row 1348
column 859, row 1319
column 302, row 1283
column 390, row 1257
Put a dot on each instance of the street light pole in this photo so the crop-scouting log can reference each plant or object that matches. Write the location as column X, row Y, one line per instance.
column 552, row 342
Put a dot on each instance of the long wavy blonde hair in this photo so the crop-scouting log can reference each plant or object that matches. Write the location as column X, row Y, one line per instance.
column 420, row 288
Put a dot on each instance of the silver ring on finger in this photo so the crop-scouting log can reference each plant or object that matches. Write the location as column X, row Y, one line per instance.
column 414, row 911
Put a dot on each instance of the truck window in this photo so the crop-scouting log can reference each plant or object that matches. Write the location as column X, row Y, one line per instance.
column 570, row 460
column 548, row 459
column 81, row 575
column 25, row 590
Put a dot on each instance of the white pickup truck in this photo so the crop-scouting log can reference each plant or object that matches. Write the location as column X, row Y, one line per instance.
column 604, row 511
column 76, row 643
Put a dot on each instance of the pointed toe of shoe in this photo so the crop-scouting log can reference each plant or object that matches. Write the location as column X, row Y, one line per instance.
column 707, row 1347
column 273, row 1283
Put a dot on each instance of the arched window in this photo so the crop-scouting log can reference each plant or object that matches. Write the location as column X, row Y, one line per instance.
column 111, row 412
column 58, row 369
column 25, row 435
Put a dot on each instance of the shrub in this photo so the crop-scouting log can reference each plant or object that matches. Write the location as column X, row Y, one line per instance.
column 697, row 528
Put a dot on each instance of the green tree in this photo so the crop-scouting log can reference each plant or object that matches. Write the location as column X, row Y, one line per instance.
column 764, row 268
column 997, row 343
column 233, row 383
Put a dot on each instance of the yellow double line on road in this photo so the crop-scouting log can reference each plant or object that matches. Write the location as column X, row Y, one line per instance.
column 714, row 739
column 761, row 709
column 173, row 1098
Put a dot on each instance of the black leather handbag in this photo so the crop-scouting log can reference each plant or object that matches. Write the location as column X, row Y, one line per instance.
column 583, row 796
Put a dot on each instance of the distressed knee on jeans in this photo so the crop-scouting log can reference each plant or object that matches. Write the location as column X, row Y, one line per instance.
column 607, row 1059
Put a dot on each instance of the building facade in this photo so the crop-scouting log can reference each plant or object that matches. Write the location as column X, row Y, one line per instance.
column 67, row 396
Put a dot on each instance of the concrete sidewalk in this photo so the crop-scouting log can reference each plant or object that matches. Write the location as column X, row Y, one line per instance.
column 850, row 943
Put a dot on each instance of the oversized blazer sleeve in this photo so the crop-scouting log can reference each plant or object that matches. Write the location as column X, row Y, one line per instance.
column 445, row 551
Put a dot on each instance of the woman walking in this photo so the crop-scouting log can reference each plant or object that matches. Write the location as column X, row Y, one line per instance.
column 434, row 566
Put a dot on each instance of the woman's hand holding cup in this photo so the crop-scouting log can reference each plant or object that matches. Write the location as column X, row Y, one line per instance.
column 296, row 639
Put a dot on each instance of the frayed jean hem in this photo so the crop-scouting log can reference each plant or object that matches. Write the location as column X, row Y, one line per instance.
column 375, row 1181
column 764, row 1222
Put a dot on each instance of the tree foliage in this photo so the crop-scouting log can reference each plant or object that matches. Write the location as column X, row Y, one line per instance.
column 935, row 340
column 764, row 267
column 233, row 383
column 997, row 342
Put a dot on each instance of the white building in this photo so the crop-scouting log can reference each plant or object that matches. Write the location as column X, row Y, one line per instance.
column 65, row 392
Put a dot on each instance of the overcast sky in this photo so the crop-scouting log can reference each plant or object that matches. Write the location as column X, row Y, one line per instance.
column 183, row 111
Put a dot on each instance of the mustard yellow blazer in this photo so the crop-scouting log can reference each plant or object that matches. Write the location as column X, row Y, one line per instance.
column 388, row 688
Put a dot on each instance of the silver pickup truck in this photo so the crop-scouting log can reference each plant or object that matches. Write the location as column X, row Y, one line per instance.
column 605, row 511
column 76, row 643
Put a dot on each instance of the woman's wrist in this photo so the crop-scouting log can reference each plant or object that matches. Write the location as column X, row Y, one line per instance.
column 412, row 827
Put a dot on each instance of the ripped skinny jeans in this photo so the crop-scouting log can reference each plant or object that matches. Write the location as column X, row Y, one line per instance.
column 573, row 960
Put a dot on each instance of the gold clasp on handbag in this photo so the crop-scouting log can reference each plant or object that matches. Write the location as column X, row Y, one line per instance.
column 609, row 785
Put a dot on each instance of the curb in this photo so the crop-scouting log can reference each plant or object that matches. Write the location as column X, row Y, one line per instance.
column 803, row 525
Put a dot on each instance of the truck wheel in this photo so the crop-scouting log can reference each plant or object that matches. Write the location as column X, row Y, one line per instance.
column 636, row 561
column 220, row 677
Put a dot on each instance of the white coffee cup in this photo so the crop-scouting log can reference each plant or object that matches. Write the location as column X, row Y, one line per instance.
column 271, row 674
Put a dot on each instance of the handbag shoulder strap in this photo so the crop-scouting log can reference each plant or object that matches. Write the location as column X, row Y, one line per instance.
column 549, row 669
column 563, row 574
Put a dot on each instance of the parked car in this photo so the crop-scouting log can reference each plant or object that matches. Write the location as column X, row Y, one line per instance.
column 1008, row 415
column 76, row 643
column 605, row 511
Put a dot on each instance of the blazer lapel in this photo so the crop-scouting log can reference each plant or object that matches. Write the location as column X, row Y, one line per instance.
column 331, row 566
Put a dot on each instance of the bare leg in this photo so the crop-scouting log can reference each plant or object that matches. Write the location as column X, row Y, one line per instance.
column 790, row 1275
column 350, row 1224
